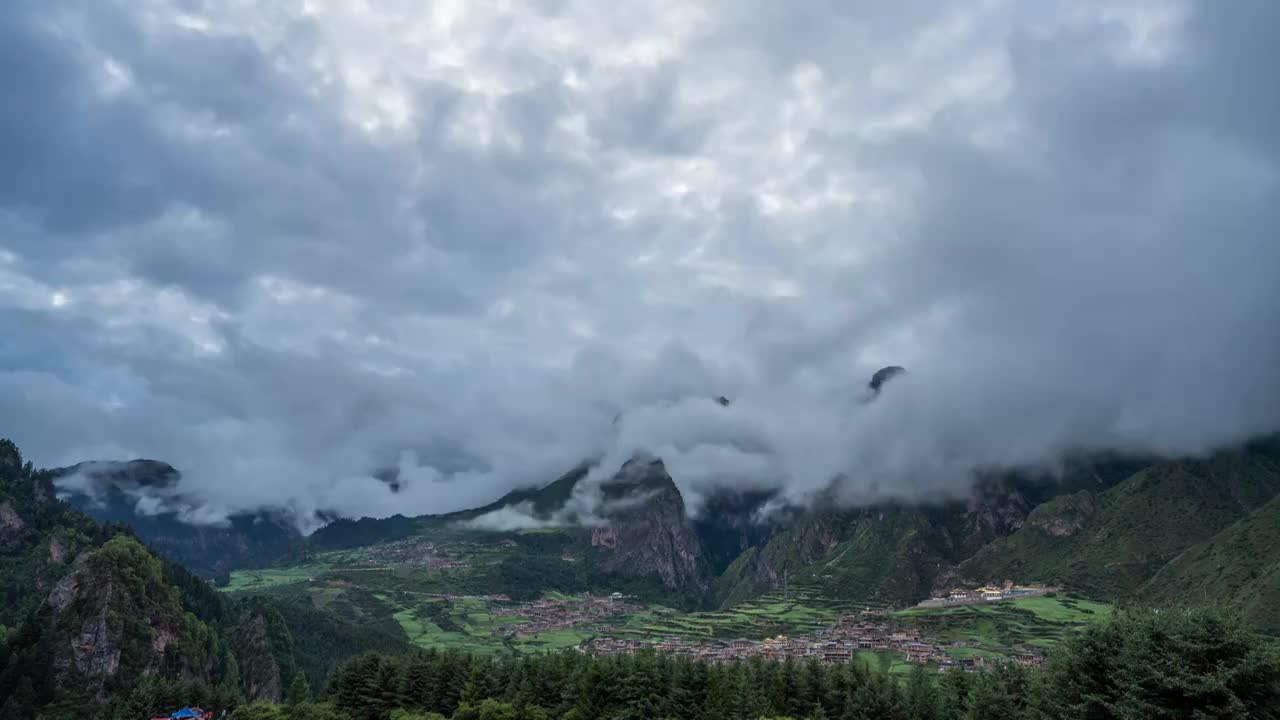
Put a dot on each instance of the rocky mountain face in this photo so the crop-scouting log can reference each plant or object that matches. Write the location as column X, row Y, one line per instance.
column 146, row 495
column 117, row 619
column 646, row 531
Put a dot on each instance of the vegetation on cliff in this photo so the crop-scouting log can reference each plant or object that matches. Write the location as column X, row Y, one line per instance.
column 97, row 620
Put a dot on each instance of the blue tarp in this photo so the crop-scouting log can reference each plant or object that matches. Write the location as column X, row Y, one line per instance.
column 185, row 712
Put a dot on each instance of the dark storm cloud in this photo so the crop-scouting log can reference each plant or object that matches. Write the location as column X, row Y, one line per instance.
column 284, row 250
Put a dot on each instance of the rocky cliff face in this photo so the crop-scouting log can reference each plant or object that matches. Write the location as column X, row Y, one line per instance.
column 646, row 531
column 1066, row 517
column 260, row 666
column 113, row 619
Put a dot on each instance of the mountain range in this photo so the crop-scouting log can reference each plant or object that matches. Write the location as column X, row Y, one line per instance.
column 1107, row 525
column 104, row 576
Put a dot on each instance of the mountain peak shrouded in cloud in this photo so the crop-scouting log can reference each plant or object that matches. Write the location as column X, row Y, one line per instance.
column 289, row 249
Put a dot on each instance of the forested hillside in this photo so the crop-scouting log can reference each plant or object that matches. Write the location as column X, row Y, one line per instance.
column 1239, row 566
column 1109, row 544
column 96, row 620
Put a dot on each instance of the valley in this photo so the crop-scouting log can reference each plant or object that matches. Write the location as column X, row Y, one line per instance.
column 430, row 588
column 645, row 580
column 1002, row 578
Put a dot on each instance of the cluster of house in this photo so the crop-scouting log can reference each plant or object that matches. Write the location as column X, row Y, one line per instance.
column 557, row 613
column 837, row 644
column 419, row 551
column 985, row 594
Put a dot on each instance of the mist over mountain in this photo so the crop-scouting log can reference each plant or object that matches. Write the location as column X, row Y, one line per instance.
column 144, row 495
column 285, row 258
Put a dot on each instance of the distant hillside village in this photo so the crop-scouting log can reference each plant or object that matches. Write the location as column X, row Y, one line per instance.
column 986, row 594
column 557, row 613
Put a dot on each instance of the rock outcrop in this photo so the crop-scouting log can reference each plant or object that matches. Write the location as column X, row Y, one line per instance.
column 113, row 605
column 1065, row 517
column 646, row 531
column 10, row 520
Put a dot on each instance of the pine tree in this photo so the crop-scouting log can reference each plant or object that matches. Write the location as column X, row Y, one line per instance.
column 810, row 689
column 718, row 703
column 954, row 692
column 454, row 669
column 299, row 690
column 481, row 683
column 641, row 694
column 227, row 695
column 875, row 699
column 357, row 689
column 1202, row 662
column 922, row 698
column 751, row 701
column 419, row 681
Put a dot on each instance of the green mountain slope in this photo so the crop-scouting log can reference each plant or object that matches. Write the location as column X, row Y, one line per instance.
column 886, row 555
column 1108, row 544
column 39, row 537
column 1239, row 566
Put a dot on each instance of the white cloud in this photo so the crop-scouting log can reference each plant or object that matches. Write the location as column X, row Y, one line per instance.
column 284, row 246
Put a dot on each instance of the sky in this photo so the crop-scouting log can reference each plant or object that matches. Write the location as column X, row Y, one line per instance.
column 285, row 246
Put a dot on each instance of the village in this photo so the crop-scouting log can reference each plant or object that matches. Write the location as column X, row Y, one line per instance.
column 562, row 612
column 420, row 551
column 986, row 594
column 871, row 629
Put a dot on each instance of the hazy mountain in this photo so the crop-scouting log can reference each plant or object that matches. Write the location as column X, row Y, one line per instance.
column 1103, row 524
column 146, row 496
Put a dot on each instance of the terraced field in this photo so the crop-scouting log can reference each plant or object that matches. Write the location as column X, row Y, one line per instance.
column 472, row 625
column 770, row 614
column 1040, row 621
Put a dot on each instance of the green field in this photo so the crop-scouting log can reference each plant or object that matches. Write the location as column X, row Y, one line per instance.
column 471, row 625
column 265, row 579
column 1040, row 621
column 801, row 612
